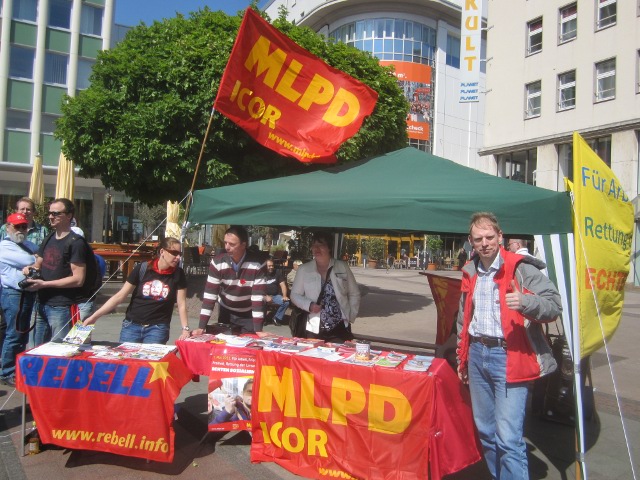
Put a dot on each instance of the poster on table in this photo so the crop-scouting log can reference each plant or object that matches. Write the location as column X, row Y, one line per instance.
column 230, row 389
column 124, row 407
column 341, row 422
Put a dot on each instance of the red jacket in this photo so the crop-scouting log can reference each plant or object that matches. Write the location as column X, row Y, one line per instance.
column 528, row 352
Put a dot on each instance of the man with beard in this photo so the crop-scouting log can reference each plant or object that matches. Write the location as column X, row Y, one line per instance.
column 15, row 253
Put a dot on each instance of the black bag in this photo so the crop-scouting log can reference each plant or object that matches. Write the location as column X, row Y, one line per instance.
column 298, row 322
column 298, row 318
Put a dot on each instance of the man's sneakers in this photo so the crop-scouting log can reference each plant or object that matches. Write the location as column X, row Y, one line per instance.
column 278, row 323
column 10, row 381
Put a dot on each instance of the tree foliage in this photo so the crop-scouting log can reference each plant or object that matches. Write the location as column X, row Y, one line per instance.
column 141, row 123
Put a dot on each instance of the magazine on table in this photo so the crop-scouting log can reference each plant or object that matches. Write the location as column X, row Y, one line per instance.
column 324, row 353
column 54, row 349
column 391, row 360
column 419, row 363
column 352, row 360
column 79, row 334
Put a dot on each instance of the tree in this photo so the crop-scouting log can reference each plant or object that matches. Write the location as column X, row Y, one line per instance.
column 141, row 123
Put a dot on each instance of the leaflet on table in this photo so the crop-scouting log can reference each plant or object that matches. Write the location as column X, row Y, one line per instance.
column 53, row 349
column 234, row 340
column 352, row 360
column 419, row 363
column 204, row 338
column 391, row 360
column 134, row 351
column 324, row 353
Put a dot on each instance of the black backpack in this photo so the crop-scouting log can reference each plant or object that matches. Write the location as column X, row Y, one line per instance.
column 93, row 276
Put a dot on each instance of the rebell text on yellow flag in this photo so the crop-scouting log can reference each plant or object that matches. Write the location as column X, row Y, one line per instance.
column 603, row 226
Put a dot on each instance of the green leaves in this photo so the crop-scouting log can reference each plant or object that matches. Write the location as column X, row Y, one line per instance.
column 141, row 124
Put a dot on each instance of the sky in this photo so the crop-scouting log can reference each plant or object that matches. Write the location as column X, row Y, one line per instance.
column 132, row 12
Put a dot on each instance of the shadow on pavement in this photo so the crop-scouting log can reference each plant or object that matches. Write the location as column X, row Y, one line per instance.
column 381, row 302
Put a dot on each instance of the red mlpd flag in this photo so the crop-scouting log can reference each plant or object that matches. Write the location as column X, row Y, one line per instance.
column 288, row 99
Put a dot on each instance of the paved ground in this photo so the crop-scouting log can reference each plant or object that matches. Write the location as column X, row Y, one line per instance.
column 396, row 304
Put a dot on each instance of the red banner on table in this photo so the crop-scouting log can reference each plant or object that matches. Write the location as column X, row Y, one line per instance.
column 231, row 388
column 124, row 407
column 288, row 99
column 342, row 422
column 446, row 295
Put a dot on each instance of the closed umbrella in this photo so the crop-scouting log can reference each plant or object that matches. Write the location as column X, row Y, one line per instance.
column 36, row 187
column 66, row 182
column 172, row 228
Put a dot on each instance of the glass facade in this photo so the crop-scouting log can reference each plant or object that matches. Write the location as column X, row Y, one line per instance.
column 390, row 39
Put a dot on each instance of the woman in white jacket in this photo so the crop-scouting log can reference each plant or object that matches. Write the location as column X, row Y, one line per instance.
column 331, row 316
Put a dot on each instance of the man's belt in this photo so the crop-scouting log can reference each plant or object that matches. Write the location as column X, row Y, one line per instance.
column 489, row 341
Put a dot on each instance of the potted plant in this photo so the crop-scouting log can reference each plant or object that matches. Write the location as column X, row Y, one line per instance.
column 434, row 244
column 373, row 248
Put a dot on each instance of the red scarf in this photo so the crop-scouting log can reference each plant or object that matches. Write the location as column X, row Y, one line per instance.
column 155, row 268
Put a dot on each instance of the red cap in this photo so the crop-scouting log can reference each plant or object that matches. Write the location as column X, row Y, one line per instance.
column 17, row 219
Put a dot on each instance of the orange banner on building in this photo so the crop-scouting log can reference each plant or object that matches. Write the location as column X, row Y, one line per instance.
column 288, row 99
column 124, row 407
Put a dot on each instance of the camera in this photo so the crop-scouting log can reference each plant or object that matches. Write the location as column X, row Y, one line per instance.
column 34, row 274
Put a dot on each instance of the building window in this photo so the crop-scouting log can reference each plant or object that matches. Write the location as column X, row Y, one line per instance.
column 519, row 166
column 453, row 51
column 534, row 36
column 21, row 62
column 565, row 162
column 568, row 29
column 534, row 99
column 605, row 88
column 602, row 147
column 91, row 20
column 606, row 13
column 567, row 90
column 48, row 123
column 25, row 10
column 60, row 13
column 55, row 68
column 638, row 71
column 84, row 72
column 18, row 120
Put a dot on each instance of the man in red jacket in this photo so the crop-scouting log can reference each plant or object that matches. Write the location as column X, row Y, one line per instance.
column 501, row 345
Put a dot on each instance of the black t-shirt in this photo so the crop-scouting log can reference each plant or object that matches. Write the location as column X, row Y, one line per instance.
column 272, row 284
column 153, row 299
column 54, row 267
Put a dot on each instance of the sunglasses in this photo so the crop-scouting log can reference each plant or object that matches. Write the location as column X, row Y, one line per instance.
column 55, row 214
column 174, row 253
column 22, row 226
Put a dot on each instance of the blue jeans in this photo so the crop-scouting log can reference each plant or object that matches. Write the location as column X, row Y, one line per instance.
column 18, row 321
column 498, row 412
column 54, row 321
column 136, row 333
column 277, row 300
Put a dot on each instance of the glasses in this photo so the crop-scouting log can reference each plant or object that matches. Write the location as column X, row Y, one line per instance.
column 22, row 226
column 55, row 214
column 174, row 253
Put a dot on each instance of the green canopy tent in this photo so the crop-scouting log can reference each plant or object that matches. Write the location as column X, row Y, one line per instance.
column 405, row 190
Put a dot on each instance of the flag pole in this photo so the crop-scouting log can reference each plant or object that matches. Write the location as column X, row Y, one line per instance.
column 195, row 173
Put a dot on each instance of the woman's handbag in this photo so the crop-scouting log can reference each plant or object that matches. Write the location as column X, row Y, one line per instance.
column 298, row 318
column 298, row 322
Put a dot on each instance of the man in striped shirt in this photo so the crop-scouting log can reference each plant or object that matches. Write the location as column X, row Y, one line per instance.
column 236, row 282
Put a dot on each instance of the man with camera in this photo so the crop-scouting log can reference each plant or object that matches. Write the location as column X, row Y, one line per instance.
column 16, row 253
column 63, row 264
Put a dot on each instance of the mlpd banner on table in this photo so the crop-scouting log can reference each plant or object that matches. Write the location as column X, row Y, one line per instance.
column 288, row 99
column 603, row 224
column 322, row 420
column 122, row 407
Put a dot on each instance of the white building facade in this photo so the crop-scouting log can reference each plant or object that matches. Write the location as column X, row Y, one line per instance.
column 47, row 50
column 421, row 38
column 557, row 67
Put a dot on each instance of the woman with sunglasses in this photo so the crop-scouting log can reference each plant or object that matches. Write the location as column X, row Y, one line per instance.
column 155, row 287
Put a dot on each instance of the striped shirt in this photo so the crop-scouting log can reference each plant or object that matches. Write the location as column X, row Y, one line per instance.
column 486, row 303
column 241, row 292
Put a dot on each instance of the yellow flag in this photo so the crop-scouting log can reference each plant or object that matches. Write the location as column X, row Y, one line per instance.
column 603, row 226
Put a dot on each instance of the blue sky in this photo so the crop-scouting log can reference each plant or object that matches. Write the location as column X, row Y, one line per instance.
column 132, row 12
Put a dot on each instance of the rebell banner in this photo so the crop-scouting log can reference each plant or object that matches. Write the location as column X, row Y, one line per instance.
column 603, row 226
column 288, row 99
column 124, row 407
